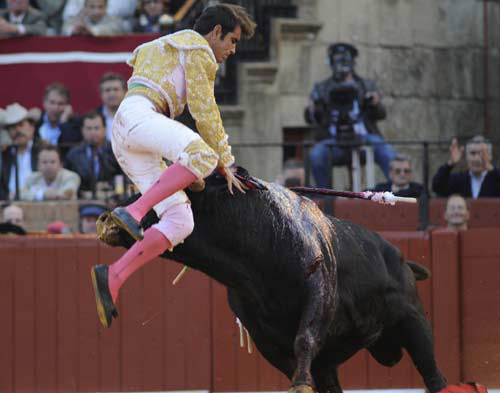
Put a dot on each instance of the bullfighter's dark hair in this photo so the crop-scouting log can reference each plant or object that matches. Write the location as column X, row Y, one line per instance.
column 228, row 16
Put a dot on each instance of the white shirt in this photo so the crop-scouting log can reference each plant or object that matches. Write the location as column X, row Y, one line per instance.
column 24, row 165
column 122, row 8
column 49, row 133
column 476, row 183
column 18, row 20
column 109, row 122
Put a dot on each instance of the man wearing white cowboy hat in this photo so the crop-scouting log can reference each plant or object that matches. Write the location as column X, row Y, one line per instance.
column 21, row 130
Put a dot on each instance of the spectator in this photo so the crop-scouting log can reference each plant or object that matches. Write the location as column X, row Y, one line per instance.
column 51, row 181
column 456, row 213
column 14, row 214
column 112, row 88
column 5, row 140
column 20, row 19
column 93, row 20
column 58, row 126
column 153, row 17
column 123, row 9
column 480, row 180
column 348, row 107
column 88, row 217
column 23, row 150
column 94, row 148
column 13, row 221
column 401, row 183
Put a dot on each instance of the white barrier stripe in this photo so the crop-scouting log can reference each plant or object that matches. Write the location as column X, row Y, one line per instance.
column 379, row 391
column 65, row 57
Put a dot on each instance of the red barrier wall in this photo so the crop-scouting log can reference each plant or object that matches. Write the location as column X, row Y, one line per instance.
column 81, row 77
column 185, row 337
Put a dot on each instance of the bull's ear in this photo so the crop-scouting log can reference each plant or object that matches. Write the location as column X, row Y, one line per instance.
column 107, row 230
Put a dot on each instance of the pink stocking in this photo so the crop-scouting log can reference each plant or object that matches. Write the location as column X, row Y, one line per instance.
column 153, row 244
column 175, row 178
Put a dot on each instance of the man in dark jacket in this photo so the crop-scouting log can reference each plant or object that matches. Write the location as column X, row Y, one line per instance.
column 21, row 157
column 401, row 183
column 58, row 125
column 93, row 159
column 481, row 179
column 347, row 107
column 20, row 19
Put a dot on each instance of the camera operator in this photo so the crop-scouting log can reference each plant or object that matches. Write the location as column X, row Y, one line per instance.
column 347, row 107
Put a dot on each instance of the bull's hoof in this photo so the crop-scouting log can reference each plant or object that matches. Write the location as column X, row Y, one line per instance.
column 301, row 389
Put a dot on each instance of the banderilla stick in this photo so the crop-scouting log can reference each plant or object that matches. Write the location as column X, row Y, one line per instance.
column 180, row 275
column 380, row 197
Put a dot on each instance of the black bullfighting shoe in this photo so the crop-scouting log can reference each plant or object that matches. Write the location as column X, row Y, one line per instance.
column 124, row 220
column 105, row 307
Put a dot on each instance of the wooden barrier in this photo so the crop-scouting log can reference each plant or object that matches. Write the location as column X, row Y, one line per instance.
column 185, row 337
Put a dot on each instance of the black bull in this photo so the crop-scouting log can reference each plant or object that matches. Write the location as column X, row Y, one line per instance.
column 312, row 290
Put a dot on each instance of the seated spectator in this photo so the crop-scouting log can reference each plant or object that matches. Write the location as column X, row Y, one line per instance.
column 23, row 150
column 88, row 217
column 93, row 20
column 20, row 19
column 94, row 149
column 112, row 88
column 153, row 17
column 401, row 183
column 51, row 181
column 13, row 221
column 5, row 140
column 13, row 214
column 123, row 9
column 456, row 213
column 481, row 179
column 58, row 126
column 293, row 174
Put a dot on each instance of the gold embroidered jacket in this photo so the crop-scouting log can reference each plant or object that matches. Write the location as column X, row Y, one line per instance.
column 155, row 66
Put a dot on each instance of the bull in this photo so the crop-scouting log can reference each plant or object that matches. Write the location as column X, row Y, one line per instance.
column 311, row 289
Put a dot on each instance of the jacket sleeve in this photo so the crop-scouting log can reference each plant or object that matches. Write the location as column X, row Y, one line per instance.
column 374, row 112
column 200, row 82
column 443, row 182
column 36, row 25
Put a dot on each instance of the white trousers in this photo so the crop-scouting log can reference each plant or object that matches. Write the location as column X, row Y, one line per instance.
column 141, row 138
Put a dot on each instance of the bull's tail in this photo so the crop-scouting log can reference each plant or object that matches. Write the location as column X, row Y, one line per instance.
column 420, row 272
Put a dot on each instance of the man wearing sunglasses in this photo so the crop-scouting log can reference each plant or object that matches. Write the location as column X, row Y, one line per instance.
column 401, row 176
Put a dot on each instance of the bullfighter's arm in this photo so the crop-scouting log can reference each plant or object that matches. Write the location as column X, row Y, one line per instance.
column 200, row 79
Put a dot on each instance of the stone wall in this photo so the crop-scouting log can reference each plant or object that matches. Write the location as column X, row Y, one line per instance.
column 427, row 57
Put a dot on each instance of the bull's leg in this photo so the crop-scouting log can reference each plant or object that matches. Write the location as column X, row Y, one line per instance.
column 273, row 353
column 327, row 380
column 419, row 343
column 315, row 320
column 387, row 349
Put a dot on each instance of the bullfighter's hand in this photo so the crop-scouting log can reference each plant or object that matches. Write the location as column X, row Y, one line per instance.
column 456, row 152
column 232, row 180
